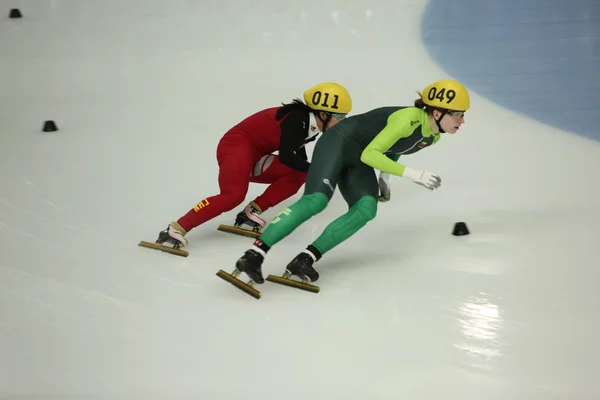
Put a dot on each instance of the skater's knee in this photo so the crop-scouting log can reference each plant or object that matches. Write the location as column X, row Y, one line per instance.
column 315, row 202
column 231, row 200
column 295, row 179
column 298, row 176
column 367, row 207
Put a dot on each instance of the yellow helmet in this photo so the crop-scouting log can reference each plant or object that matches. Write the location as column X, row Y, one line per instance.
column 329, row 97
column 447, row 95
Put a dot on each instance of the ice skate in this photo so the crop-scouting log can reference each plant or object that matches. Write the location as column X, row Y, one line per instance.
column 302, row 267
column 249, row 217
column 174, row 236
column 250, row 264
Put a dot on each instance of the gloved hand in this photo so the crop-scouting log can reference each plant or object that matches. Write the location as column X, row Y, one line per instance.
column 427, row 179
column 384, row 187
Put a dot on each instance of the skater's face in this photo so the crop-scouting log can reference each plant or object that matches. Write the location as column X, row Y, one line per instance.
column 452, row 121
column 333, row 121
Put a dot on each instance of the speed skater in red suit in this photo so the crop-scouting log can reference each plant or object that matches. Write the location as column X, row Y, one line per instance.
column 245, row 155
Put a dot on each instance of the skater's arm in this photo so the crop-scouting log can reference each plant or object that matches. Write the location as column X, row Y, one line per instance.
column 301, row 152
column 398, row 127
column 294, row 130
column 393, row 156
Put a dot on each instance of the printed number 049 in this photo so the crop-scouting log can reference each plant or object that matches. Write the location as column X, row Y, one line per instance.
column 442, row 95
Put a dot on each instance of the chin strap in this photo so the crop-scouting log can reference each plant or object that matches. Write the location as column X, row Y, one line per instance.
column 324, row 121
column 437, row 121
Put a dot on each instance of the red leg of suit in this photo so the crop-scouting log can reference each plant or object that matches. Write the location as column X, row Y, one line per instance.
column 236, row 157
column 284, row 183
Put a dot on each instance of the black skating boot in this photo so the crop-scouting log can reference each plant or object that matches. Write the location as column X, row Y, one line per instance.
column 251, row 264
column 174, row 235
column 302, row 267
column 250, row 217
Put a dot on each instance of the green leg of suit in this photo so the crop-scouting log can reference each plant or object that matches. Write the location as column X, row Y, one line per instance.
column 334, row 163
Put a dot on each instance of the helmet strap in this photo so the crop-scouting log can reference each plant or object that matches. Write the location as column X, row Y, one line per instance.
column 324, row 121
column 437, row 121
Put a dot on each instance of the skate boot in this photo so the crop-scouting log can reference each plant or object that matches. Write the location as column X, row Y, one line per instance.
column 250, row 264
column 250, row 217
column 174, row 235
column 302, row 267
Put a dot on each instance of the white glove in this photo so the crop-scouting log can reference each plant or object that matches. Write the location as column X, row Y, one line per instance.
column 384, row 187
column 427, row 179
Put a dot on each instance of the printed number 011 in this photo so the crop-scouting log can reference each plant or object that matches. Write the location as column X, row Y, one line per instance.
column 316, row 99
column 442, row 95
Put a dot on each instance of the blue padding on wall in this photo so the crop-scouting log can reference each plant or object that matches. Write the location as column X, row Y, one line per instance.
column 537, row 57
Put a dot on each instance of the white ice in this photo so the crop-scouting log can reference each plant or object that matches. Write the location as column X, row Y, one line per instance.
column 143, row 90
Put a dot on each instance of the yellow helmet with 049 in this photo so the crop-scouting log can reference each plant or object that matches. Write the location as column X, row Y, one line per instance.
column 447, row 95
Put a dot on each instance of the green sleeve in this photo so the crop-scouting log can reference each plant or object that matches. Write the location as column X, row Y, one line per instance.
column 393, row 156
column 398, row 127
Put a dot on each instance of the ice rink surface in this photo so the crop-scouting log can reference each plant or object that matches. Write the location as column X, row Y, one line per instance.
column 143, row 90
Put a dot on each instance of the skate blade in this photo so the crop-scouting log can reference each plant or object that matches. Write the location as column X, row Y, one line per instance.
column 244, row 287
column 171, row 250
column 292, row 283
column 238, row 231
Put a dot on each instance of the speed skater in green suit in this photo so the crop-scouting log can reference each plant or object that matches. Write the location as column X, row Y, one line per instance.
column 347, row 158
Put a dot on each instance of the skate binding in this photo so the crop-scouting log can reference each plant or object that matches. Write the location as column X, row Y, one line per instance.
column 172, row 235
column 301, row 267
column 250, row 217
column 250, row 264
